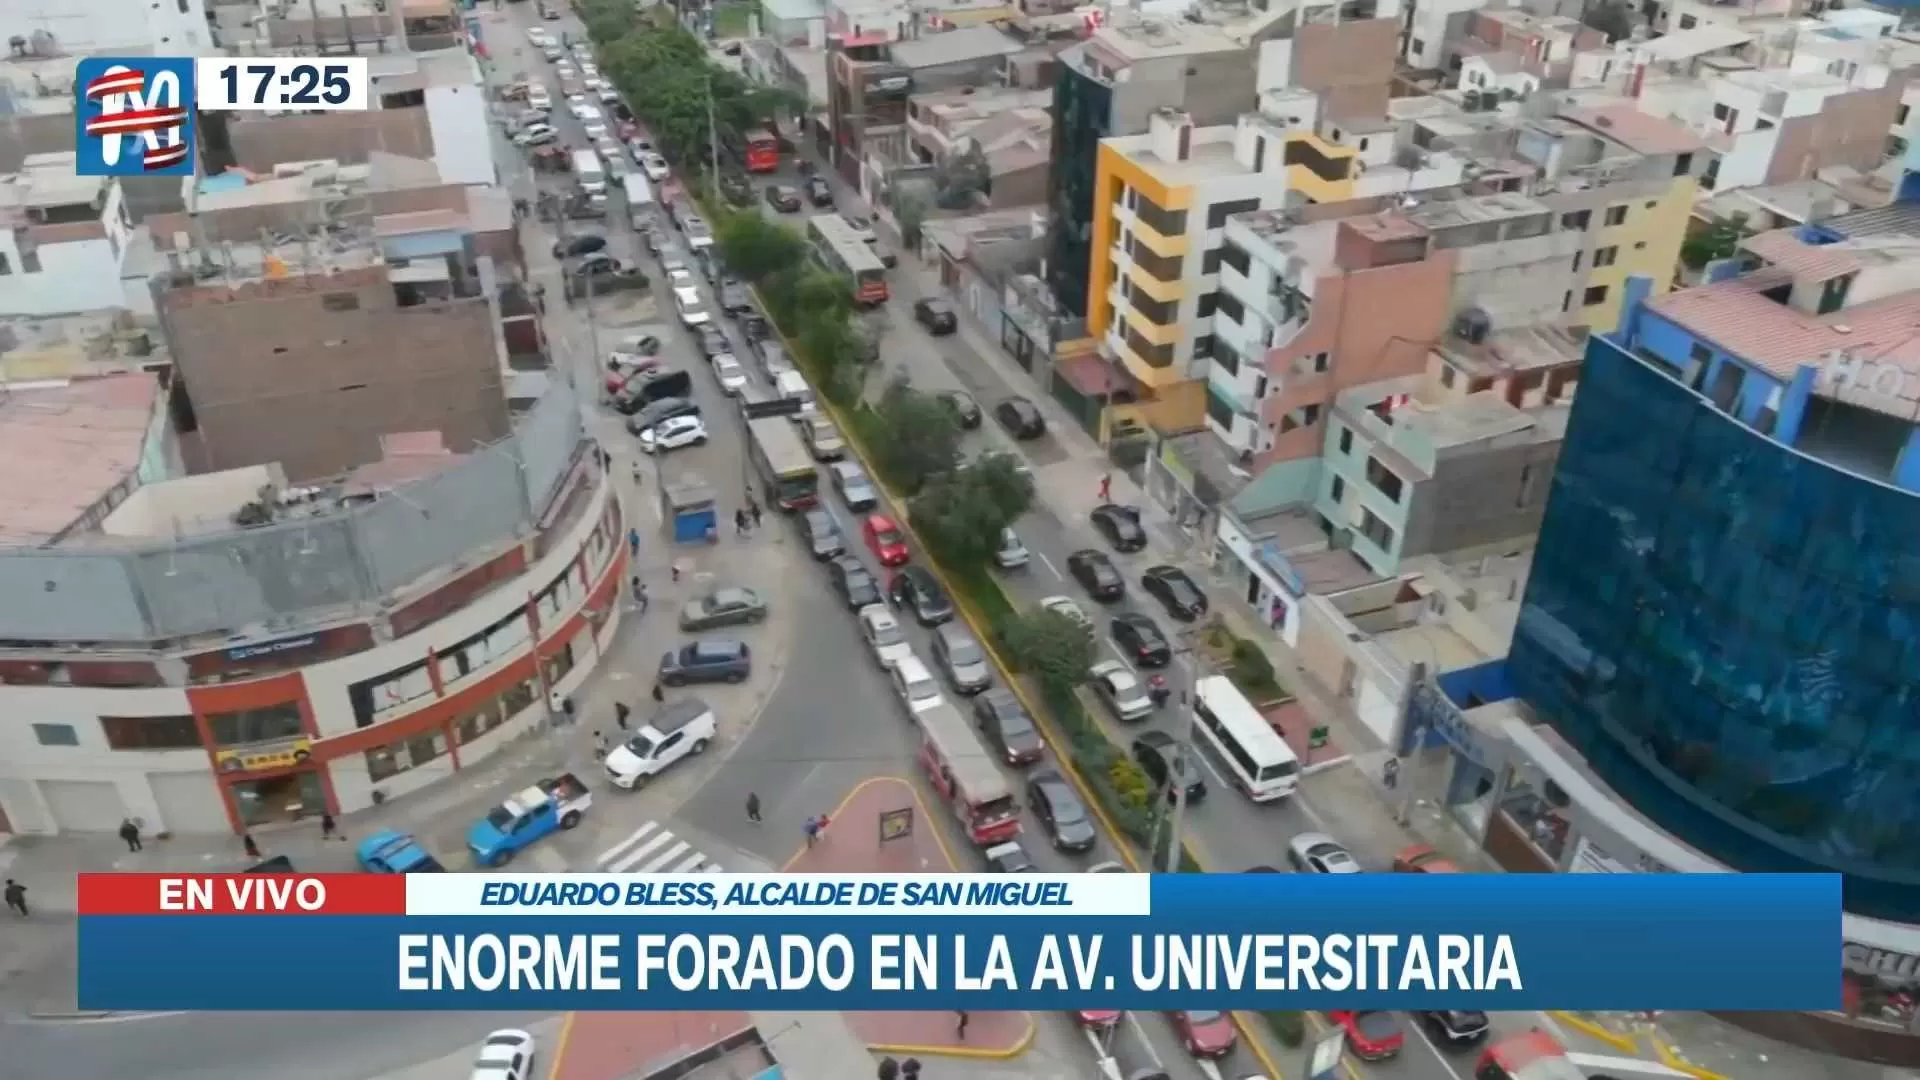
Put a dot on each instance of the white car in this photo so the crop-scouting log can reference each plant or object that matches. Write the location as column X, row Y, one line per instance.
column 915, row 685
column 538, row 35
column 1064, row 605
column 883, row 635
column 582, row 51
column 693, row 312
column 539, row 100
column 654, row 166
column 536, row 135
column 564, row 69
column 506, row 1054
column 729, row 374
column 609, row 95
column 592, row 83
column 589, row 69
column 674, row 434
column 699, row 233
column 609, row 150
column 678, row 275
column 683, row 729
column 582, row 109
column 594, row 129
column 1118, row 686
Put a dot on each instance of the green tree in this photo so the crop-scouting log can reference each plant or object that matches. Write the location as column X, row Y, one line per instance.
column 910, row 209
column 1612, row 18
column 963, row 177
column 758, row 249
column 1717, row 240
column 1049, row 646
column 962, row 513
column 918, row 437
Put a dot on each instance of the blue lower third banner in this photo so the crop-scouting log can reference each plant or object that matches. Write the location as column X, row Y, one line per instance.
column 1253, row 941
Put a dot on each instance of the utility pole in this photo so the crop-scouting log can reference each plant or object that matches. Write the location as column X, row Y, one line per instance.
column 713, row 139
column 1189, row 753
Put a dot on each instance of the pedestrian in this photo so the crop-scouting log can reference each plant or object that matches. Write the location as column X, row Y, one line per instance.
column 813, row 830
column 600, row 745
column 556, row 703
column 328, row 829
column 740, row 523
column 1106, row 488
column 566, row 709
column 247, row 845
column 640, row 595
column 753, row 508
column 130, row 832
column 822, row 819
column 659, row 695
column 620, row 714
column 910, row 1068
column 753, row 807
column 16, row 894
column 960, row 1028
column 633, row 542
column 675, row 568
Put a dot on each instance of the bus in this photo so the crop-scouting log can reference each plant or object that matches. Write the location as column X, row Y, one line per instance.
column 756, row 151
column 785, row 467
column 1262, row 764
column 966, row 777
column 1536, row 1055
column 839, row 248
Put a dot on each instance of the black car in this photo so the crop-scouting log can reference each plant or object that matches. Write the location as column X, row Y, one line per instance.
column 580, row 245
column 714, row 343
column 1096, row 574
column 1463, row 1027
column 647, row 387
column 914, row 588
column 622, row 113
column 1140, row 640
column 1005, row 723
column 937, row 316
column 1169, row 766
column 1176, row 592
column 1060, row 811
column 736, row 188
column 819, row 192
column 964, row 408
column 658, row 412
column 1121, row 526
column 823, row 536
column 784, row 199
column 734, row 297
column 853, row 583
column 753, row 326
column 1021, row 418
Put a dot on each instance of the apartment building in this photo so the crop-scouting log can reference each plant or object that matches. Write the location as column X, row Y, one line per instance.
column 872, row 73
column 63, row 248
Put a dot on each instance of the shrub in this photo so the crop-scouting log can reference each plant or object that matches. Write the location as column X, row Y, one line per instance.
column 1289, row 1027
column 1129, row 783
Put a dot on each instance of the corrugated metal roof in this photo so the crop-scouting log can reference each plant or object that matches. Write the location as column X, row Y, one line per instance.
column 1818, row 262
column 63, row 448
column 1770, row 335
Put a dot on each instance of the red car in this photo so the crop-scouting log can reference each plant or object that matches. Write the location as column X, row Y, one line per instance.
column 1372, row 1036
column 1097, row 1019
column 885, row 540
column 1421, row 859
column 1206, row 1034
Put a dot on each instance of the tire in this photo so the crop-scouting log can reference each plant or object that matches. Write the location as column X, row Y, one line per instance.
column 500, row 860
column 736, row 676
column 699, row 747
column 701, row 441
column 570, row 820
column 674, row 680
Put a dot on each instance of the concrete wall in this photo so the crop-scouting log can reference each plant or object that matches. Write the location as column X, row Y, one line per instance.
column 1850, row 129
column 1349, row 64
column 1481, row 497
column 260, row 143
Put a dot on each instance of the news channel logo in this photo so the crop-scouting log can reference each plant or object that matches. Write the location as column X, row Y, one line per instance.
column 134, row 116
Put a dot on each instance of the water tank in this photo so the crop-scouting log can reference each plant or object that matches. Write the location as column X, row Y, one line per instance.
column 1472, row 326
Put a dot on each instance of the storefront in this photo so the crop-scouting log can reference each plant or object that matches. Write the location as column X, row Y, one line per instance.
column 1433, row 721
column 279, row 799
column 1262, row 577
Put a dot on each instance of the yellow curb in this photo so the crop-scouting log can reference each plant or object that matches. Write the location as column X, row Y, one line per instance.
column 1677, row 1063
column 1244, row 1023
column 977, row 1053
column 1626, row 1044
column 560, row 1046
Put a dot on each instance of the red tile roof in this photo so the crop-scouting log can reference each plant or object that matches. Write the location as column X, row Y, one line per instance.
column 1816, row 262
column 1779, row 339
column 1639, row 131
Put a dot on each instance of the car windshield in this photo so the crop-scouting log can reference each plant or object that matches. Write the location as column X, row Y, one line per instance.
column 1066, row 809
column 1376, row 1025
column 500, row 818
column 886, row 536
column 1182, row 590
column 858, row 578
column 728, row 599
column 727, row 366
column 641, row 745
column 885, row 634
column 922, row 689
column 502, row 1040
column 1275, row 772
column 964, row 652
column 1202, row 1017
column 1014, row 724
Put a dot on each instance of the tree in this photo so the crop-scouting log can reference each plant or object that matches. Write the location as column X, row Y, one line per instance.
column 917, row 435
column 963, row 177
column 1053, row 648
column 962, row 513
column 1612, row 18
column 911, row 211
column 1718, row 240
column 758, row 249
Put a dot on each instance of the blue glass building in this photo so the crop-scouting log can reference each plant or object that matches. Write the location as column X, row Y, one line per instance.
column 1724, row 610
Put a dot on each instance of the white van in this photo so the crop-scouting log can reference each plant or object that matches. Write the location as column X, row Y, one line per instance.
column 683, row 728
column 639, row 200
column 591, row 173
column 1259, row 759
column 792, row 385
column 915, row 685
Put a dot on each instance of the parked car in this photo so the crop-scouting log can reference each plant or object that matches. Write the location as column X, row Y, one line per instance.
column 734, row 297
column 936, row 315
column 1140, row 638
column 707, row 660
column 823, row 439
column 1060, row 811
column 683, row 729
column 1008, row 858
column 585, row 244
column 783, row 198
column 1371, row 1036
column 1021, row 418
column 536, row 135
column 823, row 535
column 1318, row 853
column 819, row 192
column 1455, row 1027
column 914, row 588
column 659, row 411
column 736, row 189
column 691, row 309
column 674, row 434
column 1421, row 859
column 1096, row 574
column 1065, row 607
column 856, row 489
column 961, row 659
column 1176, row 592
column 853, row 583
column 729, row 373
column 913, row 684
column 1116, row 685
column 1011, row 554
column 1007, row 727
column 1169, row 766
column 965, row 409
column 506, row 1054
column 884, row 636
column 655, row 167
column 1121, row 526
column 885, row 540
column 1205, row 1033
column 597, row 262
column 713, row 341
column 726, row 606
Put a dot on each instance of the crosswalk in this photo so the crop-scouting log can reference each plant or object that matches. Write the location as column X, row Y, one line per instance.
column 652, row 849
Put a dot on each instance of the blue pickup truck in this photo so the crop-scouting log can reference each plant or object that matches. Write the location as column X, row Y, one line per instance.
column 389, row 852
column 553, row 804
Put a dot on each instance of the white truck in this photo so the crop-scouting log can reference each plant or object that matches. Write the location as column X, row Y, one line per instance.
column 640, row 202
column 682, row 729
column 591, row 173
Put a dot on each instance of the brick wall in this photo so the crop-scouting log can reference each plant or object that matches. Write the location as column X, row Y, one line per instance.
column 260, row 143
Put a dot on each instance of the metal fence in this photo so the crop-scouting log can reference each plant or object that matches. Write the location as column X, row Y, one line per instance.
column 282, row 576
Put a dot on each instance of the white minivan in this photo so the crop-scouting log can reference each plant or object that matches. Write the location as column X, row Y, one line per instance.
column 792, row 385
column 915, row 685
column 591, row 174
column 683, row 728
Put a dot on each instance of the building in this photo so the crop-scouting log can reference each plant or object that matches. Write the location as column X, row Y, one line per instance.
column 108, row 27
column 350, row 642
column 1011, row 129
column 305, row 345
column 872, row 73
column 65, row 241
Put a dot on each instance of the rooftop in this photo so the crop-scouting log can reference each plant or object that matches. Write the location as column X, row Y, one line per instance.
column 1210, row 155
column 1736, row 316
column 49, row 180
column 1515, row 350
column 1312, row 242
column 64, row 447
column 42, row 85
column 1698, row 41
column 396, row 72
column 954, row 47
column 1637, row 131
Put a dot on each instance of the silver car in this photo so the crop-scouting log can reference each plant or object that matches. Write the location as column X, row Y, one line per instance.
column 961, row 659
column 823, row 535
column 856, row 490
column 1318, row 853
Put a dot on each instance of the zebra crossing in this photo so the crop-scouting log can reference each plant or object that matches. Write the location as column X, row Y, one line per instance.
column 653, row 849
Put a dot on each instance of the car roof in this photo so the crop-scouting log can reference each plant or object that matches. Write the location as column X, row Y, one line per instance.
column 878, row 615
column 850, row 564
column 1154, row 739
column 955, row 634
column 1134, row 618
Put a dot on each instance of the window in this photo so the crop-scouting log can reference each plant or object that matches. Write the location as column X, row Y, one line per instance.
column 1210, row 262
column 1596, row 294
column 1259, row 152
column 1447, row 376
column 1900, row 118
column 1233, row 255
column 373, row 696
column 1157, row 312
column 1376, row 530
column 1417, row 49
column 1700, row 354
column 495, row 643
column 265, row 724
column 1209, row 304
column 1576, row 260
column 1231, row 308
column 1219, row 409
column 1308, row 156
column 1150, row 354
column 1386, row 480
column 1218, row 215
column 1688, row 22
column 1310, row 414
column 1617, row 215
column 1605, row 256
column 1339, row 490
column 56, row 735
column 150, row 732
column 1346, row 440
column 1163, row 221
column 1228, row 360
column 1566, row 301
column 1154, row 264
column 1260, row 386
column 1578, row 219
column 1682, row 164
column 30, row 262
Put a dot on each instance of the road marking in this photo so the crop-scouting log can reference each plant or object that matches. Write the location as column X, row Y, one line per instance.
column 652, row 849
column 1446, row 1063
column 1048, row 563
column 691, row 864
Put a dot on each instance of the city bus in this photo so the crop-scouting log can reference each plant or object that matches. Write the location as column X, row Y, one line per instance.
column 1536, row 1055
column 757, row 150
column 966, row 777
column 784, row 465
column 839, row 248
column 1262, row 764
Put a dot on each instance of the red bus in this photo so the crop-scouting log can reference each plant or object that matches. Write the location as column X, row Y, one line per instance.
column 760, row 151
column 1532, row 1055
